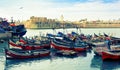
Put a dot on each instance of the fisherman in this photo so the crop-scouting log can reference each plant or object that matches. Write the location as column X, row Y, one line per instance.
column 75, row 41
column 72, row 44
column 108, row 42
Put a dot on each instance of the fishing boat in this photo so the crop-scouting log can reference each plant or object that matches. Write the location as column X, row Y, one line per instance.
column 16, row 30
column 5, row 35
column 36, row 40
column 21, row 54
column 64, row 45
column 110, row 55
column 96, row 62
column 101, row 44
column 28, row 46
column 98, row 47
column 113, row 54
column 98, row 50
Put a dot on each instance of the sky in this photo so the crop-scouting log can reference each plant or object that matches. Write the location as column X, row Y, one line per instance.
column 72, row 10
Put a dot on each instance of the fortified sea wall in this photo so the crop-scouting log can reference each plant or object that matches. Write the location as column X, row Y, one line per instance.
column 101, row 25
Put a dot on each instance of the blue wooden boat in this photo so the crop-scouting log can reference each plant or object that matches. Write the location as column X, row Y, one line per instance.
column 16, row 30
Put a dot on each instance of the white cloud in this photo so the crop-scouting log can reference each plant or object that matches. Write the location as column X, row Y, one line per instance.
column 94, row 10
column 91, row 10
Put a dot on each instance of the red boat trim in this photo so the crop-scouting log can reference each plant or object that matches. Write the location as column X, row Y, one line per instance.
column 109, row 55
column 61, row 47
column 29, row 47
column 11, row 55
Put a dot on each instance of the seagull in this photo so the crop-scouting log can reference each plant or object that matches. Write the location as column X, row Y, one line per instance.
column 21, row 8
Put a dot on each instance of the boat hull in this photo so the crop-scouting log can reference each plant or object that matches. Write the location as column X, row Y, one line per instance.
column 18, row 30
column 106, row 55
column 16, row 55
column 98, row 50
column 5, row 35
column 29, row 47
column 61, row 47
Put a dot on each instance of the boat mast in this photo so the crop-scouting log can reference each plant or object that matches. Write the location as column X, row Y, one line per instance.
column 53, row 28
column 62, row 21
column 11, row 19
column 78, row 29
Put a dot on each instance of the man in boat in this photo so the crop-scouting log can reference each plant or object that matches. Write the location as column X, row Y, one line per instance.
column 108, row 42
column 72, row 45
column 74, row 39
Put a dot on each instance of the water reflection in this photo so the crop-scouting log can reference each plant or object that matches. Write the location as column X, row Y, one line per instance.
column 79, row 54
column 89, row 50
column 35, row 63
column 97, row 62
column 17, row 63
column 110, row 65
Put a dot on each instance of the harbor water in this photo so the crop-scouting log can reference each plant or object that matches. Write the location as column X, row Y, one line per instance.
column 85, row 61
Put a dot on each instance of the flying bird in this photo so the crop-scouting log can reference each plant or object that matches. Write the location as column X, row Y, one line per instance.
column 21, row 8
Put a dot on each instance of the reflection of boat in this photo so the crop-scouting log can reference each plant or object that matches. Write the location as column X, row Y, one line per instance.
column 96, row 62
column 20, row 54
column 69, row 53
column 22, row 61
column 110, row 65
column 66, row 53
column 10, row 64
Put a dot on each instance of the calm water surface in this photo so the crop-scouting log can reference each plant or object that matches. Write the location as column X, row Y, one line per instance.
column 85, row 60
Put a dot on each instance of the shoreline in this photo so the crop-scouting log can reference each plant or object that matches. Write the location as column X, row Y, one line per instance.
column 78, row 28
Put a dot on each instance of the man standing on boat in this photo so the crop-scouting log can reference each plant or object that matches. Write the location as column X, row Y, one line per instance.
column 108, row 42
